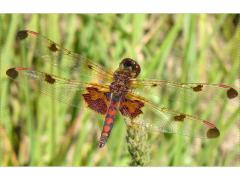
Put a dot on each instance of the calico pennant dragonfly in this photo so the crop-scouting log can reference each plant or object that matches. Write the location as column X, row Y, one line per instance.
column 116, row 91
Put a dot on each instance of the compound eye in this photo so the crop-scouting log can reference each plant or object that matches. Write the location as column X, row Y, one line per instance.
column 128, row 64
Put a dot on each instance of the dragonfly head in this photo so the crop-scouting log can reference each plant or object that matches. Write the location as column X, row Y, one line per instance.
column 131, row 66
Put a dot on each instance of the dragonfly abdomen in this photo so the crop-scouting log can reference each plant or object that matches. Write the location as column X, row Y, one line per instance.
column 109, row 120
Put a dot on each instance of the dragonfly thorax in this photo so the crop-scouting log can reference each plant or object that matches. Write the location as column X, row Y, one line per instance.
column 120, row 84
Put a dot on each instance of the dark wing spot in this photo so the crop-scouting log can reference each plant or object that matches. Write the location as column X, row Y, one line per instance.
column 22, row 35
column 198, row 88
column 154, row 85
column 49, row 79
column 53, row 47
column 232, row 93
column 89, row 66
column 180, row 117
column 12, row 73
column 99, row 105
column 213, row 133
column 96, row 100
column 131, row 108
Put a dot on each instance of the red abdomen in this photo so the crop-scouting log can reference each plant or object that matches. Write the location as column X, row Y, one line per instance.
column 109, row 120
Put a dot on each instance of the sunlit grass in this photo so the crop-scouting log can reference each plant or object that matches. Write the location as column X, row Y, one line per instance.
column 37, row 130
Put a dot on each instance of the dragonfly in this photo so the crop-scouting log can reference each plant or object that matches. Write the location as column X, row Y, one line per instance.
column 109, row 93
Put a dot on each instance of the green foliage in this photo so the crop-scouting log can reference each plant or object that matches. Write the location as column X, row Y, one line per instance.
column 36, row 130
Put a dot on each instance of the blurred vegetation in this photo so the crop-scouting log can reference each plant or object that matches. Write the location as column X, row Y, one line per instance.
column 36, row 130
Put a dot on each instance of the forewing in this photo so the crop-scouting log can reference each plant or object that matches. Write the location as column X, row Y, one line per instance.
column 71, row 65
column 200, row 99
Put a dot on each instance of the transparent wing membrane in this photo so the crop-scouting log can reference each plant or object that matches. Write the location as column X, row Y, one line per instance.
column 60, row 60
column 191, row 98
column 159, row 118
column 64, row 90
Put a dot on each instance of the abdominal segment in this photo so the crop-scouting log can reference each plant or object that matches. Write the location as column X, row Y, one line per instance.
column 109, row 120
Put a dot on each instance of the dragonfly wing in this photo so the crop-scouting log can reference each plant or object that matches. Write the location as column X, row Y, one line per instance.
column 62, row 61
column 200, row 99
column 161, row 119
column 190, row 89
column 67, row 91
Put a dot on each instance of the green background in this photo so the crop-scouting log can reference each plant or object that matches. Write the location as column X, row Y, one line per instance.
column 36, row 130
